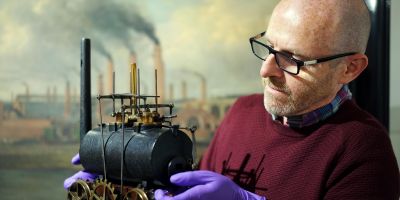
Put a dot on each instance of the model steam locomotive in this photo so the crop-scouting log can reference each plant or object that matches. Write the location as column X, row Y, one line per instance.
column 138, row 151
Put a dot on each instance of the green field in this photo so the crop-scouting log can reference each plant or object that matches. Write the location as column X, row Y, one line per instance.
column 35, row 171
column 32, row 184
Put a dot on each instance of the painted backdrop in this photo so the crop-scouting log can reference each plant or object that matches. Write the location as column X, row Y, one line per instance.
column 202, row 47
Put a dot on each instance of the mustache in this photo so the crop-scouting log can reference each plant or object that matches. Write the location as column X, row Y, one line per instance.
column 275, row 84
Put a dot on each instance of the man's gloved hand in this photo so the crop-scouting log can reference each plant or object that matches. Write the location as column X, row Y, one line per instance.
column 206, row 185
column 79, row 175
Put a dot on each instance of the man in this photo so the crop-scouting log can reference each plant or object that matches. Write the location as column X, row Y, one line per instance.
column 313, row 142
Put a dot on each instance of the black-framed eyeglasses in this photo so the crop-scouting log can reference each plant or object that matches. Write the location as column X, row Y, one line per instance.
column 284, row 60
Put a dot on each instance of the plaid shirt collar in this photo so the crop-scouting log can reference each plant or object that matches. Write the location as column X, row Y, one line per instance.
column 319, row 114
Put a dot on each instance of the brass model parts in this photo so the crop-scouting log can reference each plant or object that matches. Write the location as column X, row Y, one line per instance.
column 103, row 190
column 137, row 150
column 79, row 190
column 135, row 194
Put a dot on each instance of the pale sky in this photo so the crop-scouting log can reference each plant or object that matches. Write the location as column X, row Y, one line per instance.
column 40, row 42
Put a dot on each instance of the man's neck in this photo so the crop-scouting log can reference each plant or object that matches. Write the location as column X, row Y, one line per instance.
column 318, row 114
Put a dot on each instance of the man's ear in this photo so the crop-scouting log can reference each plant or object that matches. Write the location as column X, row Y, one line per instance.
column 355, row 64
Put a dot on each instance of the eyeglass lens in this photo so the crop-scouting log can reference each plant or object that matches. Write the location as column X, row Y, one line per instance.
column 284, row 62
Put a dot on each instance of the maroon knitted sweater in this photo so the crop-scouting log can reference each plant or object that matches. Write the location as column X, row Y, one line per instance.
column 347, row 156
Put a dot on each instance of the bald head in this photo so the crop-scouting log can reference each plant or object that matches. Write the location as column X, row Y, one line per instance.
column 336, row 26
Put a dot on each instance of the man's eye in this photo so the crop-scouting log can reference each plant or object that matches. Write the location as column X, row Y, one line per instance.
column 289, row 55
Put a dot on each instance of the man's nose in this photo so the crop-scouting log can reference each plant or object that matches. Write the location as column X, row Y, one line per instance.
column 270, row 68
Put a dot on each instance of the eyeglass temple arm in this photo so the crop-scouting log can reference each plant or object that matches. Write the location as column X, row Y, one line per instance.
column 311, row 62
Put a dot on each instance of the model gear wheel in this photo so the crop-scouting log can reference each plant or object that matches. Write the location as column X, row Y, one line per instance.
column 103, row 190
column 135, row 194
column 79, row 190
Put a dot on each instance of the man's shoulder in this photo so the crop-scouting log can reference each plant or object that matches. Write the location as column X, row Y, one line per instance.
column 356, row 127
column 351, row 115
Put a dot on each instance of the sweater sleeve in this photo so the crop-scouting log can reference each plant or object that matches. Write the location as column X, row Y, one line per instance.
column 367, row 170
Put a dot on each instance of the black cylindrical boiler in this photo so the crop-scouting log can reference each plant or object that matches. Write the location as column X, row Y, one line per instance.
column 151, row 154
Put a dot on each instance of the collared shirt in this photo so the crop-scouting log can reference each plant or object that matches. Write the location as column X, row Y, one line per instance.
column 319, row 114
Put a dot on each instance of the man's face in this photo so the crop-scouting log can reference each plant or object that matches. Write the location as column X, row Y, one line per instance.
column 315, row 85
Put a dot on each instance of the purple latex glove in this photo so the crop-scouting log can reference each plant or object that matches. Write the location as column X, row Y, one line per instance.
column 206, row 185
column 79, row 175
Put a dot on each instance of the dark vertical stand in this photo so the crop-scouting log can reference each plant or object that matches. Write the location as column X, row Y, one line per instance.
column 371, row 89
column 85, row 101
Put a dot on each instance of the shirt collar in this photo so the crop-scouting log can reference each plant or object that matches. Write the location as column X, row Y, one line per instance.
column 319, row 114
